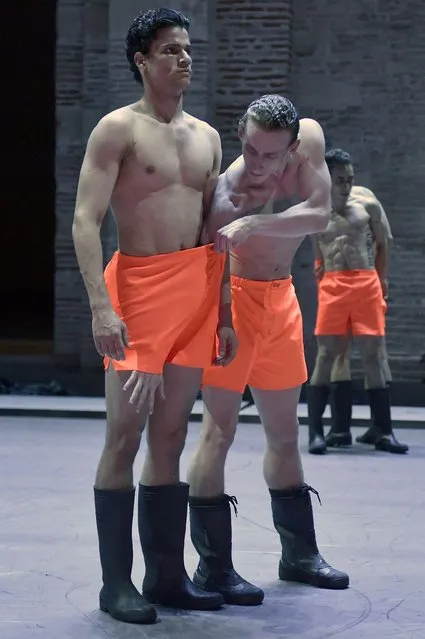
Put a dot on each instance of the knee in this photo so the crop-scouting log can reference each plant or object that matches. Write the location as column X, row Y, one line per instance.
column 218, row 437
column 284, row 441
column 325, row 356
column 167, row 442
column 123, row 444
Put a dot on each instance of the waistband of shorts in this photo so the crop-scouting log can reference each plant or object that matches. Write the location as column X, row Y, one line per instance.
column 362, row 273
column 166, row 259
column 261, row 285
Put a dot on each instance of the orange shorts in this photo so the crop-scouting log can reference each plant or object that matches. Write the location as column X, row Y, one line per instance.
column 169, row 304
column 350, row 302
column 268, row 323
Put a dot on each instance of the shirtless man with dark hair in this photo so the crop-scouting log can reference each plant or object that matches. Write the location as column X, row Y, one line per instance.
column 155, row 312
column 351, row 258
column 282, row 159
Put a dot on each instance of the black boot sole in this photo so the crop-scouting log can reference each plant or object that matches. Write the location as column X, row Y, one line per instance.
column 339, row 441
column 296, row 575
column 389, row 447
column 145, row 616
column 171, row 601
column 232, row 598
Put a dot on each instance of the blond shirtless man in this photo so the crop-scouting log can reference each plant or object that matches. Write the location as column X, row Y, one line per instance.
column 351, row 258
column 282, row 158
column 155, row 312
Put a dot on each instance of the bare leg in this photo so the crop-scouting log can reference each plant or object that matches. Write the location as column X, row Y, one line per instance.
column 220, row 419
column 123, row 433
column 210, row 512
column 282, row 466
column 372, row 350
column 114, row 502
column 330, row 348
column 291, row 503
column 163, row 499
column 167, row 428
column 341, row 369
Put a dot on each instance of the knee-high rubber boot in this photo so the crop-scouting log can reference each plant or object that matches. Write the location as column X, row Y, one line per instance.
column 317, row 399
column 119, row 597
column 371, row 435
column 380, row 407
column 211, row 533
column 341, row 401
column 162, row 528
column 301, row 561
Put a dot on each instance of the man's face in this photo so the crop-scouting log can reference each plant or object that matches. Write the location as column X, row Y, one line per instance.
column 265, row 152
column 167, row 66
column 342, row 181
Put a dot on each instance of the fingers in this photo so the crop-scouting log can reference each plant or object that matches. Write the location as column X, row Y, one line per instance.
column 230, row 351
column 131, row 380
column 144, row 387
column 111, row 346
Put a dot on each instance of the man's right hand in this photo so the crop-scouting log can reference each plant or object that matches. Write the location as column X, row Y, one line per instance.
column 110, row 334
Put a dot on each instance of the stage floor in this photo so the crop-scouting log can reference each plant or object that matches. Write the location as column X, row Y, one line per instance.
column 371, row 524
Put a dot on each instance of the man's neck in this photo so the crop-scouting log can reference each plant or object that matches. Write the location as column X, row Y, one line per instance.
column 163, row 108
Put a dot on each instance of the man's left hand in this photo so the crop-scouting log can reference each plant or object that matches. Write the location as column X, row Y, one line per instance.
column 232, row 235
column 227, row 345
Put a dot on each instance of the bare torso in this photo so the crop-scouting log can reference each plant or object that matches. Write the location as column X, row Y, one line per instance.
column 157, row 198
column 347, row 243
column 260, row 258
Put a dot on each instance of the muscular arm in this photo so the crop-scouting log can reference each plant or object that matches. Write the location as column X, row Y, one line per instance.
column 225, row 313
column 381, row 235
column 99, row 171
column 312, row 214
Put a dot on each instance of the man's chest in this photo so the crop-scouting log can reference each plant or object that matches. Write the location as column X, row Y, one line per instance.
column 354, row 224
column 161, row 157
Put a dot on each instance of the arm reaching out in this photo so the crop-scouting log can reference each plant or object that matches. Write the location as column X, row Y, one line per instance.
column 310, row 216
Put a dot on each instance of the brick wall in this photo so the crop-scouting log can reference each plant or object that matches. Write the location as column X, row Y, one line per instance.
column 252, row 58
column 358, row 68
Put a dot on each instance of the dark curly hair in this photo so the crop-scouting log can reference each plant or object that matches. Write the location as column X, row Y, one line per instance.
column 144, row 29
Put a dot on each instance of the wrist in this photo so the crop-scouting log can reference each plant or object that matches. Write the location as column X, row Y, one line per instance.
column 225, row 315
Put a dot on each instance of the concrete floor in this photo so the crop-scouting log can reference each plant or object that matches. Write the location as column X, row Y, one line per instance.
column 371, row 524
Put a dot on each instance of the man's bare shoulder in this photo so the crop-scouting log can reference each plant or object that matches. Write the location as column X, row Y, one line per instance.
column 312, row 140
column 201, row 125
column 366, row 197
column 113, row 128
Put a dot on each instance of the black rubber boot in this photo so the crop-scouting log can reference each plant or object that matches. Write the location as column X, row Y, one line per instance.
column 301, row 560
column 119, row 597
column 211, row 533
column 380, row 407
column 317, row 399
column 371, row 435
column 341, row 401
column 162, row 528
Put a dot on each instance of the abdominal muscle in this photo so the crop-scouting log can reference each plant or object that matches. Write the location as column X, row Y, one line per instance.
column 166, row 221
column 264, row 259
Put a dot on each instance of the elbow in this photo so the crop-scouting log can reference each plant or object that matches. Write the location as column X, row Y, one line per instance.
column 321, row 219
